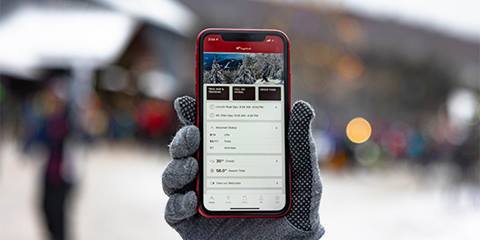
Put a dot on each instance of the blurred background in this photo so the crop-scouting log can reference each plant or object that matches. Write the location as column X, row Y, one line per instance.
column 86, row 91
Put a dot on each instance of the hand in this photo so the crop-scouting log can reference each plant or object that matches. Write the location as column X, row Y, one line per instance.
column 302, row 222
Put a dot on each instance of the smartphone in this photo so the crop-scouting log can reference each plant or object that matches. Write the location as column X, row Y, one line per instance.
column 243, row 105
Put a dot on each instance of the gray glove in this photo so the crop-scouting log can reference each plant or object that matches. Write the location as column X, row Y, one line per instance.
column 302, row 222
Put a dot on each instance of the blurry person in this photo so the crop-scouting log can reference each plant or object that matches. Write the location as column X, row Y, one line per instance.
column 301, row 222
column 2, row 94
column 466, row 160
column 416, row 143
column 52, row 131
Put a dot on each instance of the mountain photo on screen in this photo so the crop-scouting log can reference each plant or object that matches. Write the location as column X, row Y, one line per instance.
column 243, row 68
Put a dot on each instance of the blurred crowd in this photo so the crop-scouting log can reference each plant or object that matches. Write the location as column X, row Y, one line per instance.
column 135, row 119
column 399, row 143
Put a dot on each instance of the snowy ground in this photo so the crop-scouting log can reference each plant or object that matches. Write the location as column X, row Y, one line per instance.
column 120, row 197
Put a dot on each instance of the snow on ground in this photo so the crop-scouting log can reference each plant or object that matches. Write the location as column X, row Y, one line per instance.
column 120, row 197
column 393, row 205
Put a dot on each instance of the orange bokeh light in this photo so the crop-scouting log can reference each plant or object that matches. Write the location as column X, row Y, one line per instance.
column 359, row 130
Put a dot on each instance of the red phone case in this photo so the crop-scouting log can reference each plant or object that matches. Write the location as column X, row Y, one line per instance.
column 288, row 99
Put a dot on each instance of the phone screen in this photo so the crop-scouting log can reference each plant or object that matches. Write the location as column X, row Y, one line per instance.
column 244, row 124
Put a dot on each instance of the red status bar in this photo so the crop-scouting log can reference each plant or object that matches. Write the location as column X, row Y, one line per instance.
column 215, row 43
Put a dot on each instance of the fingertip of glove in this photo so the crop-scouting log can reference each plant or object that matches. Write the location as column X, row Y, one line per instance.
column 185, row 142
column 303, row 110
column 185, row 107
column 190, row 200
column 181, row 206
column 184, row 202
column 178, row 174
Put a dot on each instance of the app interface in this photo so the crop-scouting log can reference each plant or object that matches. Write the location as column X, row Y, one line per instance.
column 243, row 122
